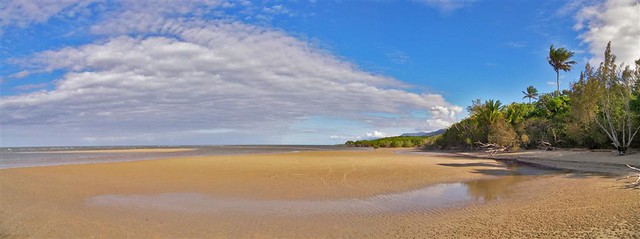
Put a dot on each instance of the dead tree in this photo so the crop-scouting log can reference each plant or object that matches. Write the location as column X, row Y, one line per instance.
column 618, row 127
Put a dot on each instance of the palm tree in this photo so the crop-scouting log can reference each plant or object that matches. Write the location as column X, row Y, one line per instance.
column 560, row 59
column 532, row 93
column 491, row 110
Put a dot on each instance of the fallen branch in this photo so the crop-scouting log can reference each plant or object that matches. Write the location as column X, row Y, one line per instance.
column 544, row 145
column 492, row 148
column 637, row 182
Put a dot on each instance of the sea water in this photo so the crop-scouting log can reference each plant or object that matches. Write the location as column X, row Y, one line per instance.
column 19, row 157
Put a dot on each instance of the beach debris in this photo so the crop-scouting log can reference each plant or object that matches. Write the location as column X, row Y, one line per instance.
column 544, row 145
column 637, row 182
column 492, row 148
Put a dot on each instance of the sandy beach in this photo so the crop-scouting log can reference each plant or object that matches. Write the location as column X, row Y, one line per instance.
column 359, row 194
column 576, row 160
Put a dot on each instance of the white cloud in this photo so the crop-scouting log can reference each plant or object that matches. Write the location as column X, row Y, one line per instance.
column 376, row 134
column 23, row 13
column 20, row 74
column 435, row 124
column 29, row 87
column 212, row 131
column 398, row 57
column 516, row 44
column 345, row 137
column 448, row 5
column 277, row 9
column 572, row 6
column 615, row 21
column 207, row 77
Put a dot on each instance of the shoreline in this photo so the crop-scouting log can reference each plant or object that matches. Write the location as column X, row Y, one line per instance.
column 599, row 163
column 603, row 163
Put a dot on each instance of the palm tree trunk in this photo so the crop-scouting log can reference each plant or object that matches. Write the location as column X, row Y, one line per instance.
column 558, row 81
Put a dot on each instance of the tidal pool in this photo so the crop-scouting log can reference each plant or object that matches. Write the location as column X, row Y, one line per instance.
column 432, row 197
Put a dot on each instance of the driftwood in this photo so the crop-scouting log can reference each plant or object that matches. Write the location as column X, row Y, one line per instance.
column 637, row 182
column 544, row 145
column 492, row 148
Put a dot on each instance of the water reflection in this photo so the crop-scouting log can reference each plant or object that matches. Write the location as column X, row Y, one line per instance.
column 509, row 174
column 432, row 197
column 428, row 198
column 492, row 189
column 424, row 199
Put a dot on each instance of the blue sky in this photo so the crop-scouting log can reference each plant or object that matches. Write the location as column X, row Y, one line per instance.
column 281, row 72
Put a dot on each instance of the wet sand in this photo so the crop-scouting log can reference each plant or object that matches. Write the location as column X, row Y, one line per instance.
column 359, row 194
column 572, row 160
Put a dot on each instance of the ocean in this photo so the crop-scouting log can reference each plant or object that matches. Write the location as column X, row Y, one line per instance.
column 20, row 157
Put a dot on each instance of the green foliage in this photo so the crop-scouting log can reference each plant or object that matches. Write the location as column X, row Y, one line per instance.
column 393, row 142
column 516, row 113
column 582, row 129
column 616, row 116
column 502, row 133
column 551, row 106
column 531, row 93
column 560, row 59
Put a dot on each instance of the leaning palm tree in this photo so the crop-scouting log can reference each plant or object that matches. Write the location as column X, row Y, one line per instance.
column 532, row 93
column 560, row 59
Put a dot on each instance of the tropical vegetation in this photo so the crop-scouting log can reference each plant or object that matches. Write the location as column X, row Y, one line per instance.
column 560, row 59
column 393, row 142
column 531, row 93
column 599, row 110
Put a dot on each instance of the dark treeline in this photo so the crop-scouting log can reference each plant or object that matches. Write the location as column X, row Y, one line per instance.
column 394, row 142
column 600, row 110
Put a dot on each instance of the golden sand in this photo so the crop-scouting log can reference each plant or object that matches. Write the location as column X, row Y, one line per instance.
column 52, row 201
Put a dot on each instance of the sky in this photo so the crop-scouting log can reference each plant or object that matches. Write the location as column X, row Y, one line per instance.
column 165, row 72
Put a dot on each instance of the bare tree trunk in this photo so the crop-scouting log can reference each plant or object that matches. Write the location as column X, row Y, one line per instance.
column 608, row 123
column 558, row 81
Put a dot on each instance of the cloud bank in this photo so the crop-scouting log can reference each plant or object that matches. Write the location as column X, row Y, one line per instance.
column 202, row 81
column 613, row 20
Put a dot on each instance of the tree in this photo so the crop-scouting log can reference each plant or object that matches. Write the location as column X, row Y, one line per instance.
column 502, row 134
column 583, row 107
column 486, row 112
column 532, row 93
column 560, row 59
column 616, row 118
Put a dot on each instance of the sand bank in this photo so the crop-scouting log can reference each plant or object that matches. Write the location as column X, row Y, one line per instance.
column 573, row 160
column 156, row 199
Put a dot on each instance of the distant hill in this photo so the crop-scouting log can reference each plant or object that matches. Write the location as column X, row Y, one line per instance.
column 437, row 132
column 405, row 140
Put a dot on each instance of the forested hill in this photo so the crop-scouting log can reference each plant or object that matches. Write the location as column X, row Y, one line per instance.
column 394, row 142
